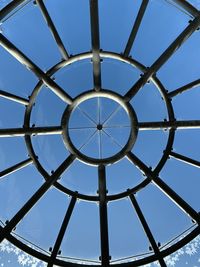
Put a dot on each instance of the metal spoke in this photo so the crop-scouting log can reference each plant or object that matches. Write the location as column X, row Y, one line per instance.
column 111, row 115
column 187, row 6
column 105, row 257
column 23, row 59
column 135, row 27
column 112, row 138
column 14, row 98
column 87, row 141
column 81, row 128
column 52, row 29
column 13, row 132
column 100, row 144
column 87, row 116
column 184, row 88
column 9, row 8
column 94, row 21
column 147, row 230
column 35, row 198
column 163, row 58
column 116, row 126
column 15, row 167
column 163, row 125
column 185, row 159
column 170, row 193
column 99, row 111
column 62, row 232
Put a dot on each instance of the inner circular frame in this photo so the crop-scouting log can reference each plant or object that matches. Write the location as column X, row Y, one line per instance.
column 87, row 56
column 109, row 95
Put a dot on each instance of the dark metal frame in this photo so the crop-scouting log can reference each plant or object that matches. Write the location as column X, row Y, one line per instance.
column 151, row 176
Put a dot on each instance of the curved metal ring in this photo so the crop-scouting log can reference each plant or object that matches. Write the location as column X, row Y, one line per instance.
column 84, row 56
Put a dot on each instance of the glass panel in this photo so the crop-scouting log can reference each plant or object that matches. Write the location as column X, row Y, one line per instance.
column 150, row 145
column 177, row 173
column 186, row 105
column 14, row 83
column 42, row 224
column 127, row 231
column 76, row 78
column 118, row 76
column 179, row 65
column 32, row 38
column 82, row 232
column 118, row 181
column 81, row 177
column 113, row 28
column 50, row 150
column 156, row 34
column 147, row 103
column 187, row 143
column 13, row 114
column 165, row 219
column 74, row 29
column 49, row 114
column 8, row 148
column 16, row 189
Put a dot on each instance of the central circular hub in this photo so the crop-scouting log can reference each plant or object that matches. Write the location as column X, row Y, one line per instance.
column 99, row 127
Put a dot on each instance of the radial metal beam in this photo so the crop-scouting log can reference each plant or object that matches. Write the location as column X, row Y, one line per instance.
column 9, row 8
column 14, row 98
column 94, row 21
column 23, row 59
column 147, row 230
column 62, row 232
column 163, row 58
column 12, row 132
column 135, row 28
column 167, row 125
column 53, row 29
column 184, row 88
column 187, row 7
column 103, row 217
column 185, row 159
column 35, row 198
column 16, row 167
column 170, row 193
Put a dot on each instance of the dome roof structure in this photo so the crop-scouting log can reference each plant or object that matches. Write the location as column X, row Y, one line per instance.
column 99, row 131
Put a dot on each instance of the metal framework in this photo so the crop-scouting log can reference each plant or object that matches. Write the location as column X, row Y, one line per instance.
column 150, row 176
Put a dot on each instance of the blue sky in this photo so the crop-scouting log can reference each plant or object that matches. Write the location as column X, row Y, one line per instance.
column 161, row 24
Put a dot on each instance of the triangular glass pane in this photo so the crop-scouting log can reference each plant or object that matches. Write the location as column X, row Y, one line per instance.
column 79, row 119
column 120, row 134
column 91, row 146
column 109, row 146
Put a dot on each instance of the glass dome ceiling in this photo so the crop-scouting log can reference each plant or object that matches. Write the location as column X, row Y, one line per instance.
column 99, row 132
